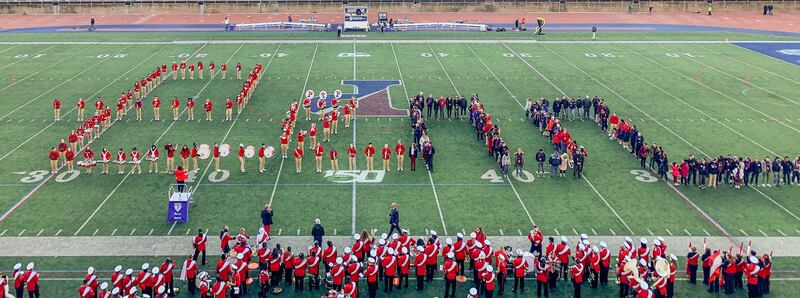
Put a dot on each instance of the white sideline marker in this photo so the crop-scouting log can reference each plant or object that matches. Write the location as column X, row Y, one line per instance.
column 594, row 232
column 744, row 233
column 40, row 232
column 575, row 232
column 114, row 232
column 612, row 231
column 132, row 231
column 95, row 232
column 781, row 232
column 501, row 232
column 20, row 233
column 6, row 230
column 762, row 233
column 151, row 233
column 687, row 232
column 557, row 233
column 669, row 232
column 58, row 232
column 651, row 232
column 518, row 232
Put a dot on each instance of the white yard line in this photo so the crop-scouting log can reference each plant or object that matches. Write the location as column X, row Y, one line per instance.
column 302, row 93
column 353, row 215
column 715, row 91
column 514, row 97
column 738, row 78
column 599, row 195
column 715, row 120
column 681, row 194
column 26, row 58
column 73, row 108
column 751, row 65
column 156, row 141
column 430, row 176
column 43, row 69
column 436, row 55
column 9, row 48
column 387, row 41
column 45, row 181
column 64, row 82
column 225, row 137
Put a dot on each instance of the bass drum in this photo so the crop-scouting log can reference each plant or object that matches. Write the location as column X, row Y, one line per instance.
column 203, row 151
column 224, row 150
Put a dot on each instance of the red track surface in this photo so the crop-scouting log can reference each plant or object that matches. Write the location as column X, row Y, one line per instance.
column 787, row 22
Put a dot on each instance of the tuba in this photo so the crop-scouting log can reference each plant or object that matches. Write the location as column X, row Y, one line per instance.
column 662, row 269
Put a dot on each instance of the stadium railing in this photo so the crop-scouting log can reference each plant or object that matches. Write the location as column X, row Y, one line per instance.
column 279, row 25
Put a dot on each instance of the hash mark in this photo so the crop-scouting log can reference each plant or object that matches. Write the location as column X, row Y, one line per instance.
column 518, row 232
column 58, row 232
column 187, row 231
column 594, row 232
column 334, row 232
column 687, row 232
column 113, row 232
column 575, row 231
column 151, row 232
column 6, row 230
column 501, row 232
column 612, row 231
column 132, row 231
column 781, row 232
column 744, row 233
column 651, row 232
column 298, row 232
column 669, row 232
column 20, row 233
column 40, row 232
column 464, row 232
column 796, row 230
column 762, row 233
column 95, row 232
column 557, row 233
column 280, row 231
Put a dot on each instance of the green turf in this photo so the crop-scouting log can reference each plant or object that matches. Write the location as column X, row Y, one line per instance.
column 504, row 75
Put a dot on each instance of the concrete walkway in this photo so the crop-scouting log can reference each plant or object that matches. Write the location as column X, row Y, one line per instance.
column 181, row 245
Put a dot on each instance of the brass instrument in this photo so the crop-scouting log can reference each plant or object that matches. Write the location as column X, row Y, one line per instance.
column 632, row 269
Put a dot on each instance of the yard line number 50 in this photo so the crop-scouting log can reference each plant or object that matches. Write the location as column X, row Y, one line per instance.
column 492, row 176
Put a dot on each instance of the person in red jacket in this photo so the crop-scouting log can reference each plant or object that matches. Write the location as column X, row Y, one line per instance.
column 520, row 267
column 752, row 270
column 334, row 156
column 56, row 109
column 386, row 154
column 53, row 157
column 351, row 157
column 208, row 106
column 300, row 266
column 199, row 243
column 319, row 151
column 84, row 291
column 371, row 273
column 69, row 155
column 369, row 151
column 31, row 279
column 298, row 158
column 288, row 265
column 488, row 278
column 420, row 262
column 389, row 264
column 576, row 272
column 313, row 268
column 337, row 272
column 156, row 102
column 765, row 274
column 450, row 273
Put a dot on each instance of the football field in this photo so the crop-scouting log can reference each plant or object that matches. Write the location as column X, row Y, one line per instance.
column 688, row 96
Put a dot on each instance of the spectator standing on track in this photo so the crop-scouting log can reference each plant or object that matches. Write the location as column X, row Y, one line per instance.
column 709, row 9
column 394, row 219
column 594, row 32
column 227, row 23
column 338, row 30
column 317, row 232
column 91, row 24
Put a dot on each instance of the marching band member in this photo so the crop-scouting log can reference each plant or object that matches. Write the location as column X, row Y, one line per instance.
column 334, row 156
column 319, row 151
column 137, row 105
column 191, row 71
column 53, row 157
column 120, row 161
column 174, row 70
column 238, row 71
column 224, row 70
column 117, row 278
column 288, row 265
column 386, row 153
column 211, row 68
column 80, row 106
column 228, row 110
column 176, row 103
column 488, row 278
column 420, row 262
column 334, row 122
column 594, row 267
column 535, row 237
column 31, row 281
column 152, row 156
column 576, row 273
column 284, row 140
column 605, row 262
column 369, row 151
column 337, row 272
column 136, row 161
column 69, row 157
column 347, row 112
column 88, row 159
column 190, row 108
column 185, row 153
column 220, row 288
column 156, row 102
column 450, row 272
column 166, row 271
column 56, row 109
column 239, row 104
column 326, row 128
column 120, row 108
column 85, row 291
column 301, row 136
column 194, row 154
column 313, row 261
column 200, row 69
column 371, row 274
column 215, row 154
column 105, row 158
column 752, row 269
column 351, row 154
column 389, row 264
column 104, row 292
column 312, row 132
column 307, row 108
column 673, row 270
column 208, row 106
column 298, row 158
column 189, row 272
column 262, row 159
column 563, row 253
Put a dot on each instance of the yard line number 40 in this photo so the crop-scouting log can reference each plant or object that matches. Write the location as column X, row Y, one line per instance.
column 492, row 176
